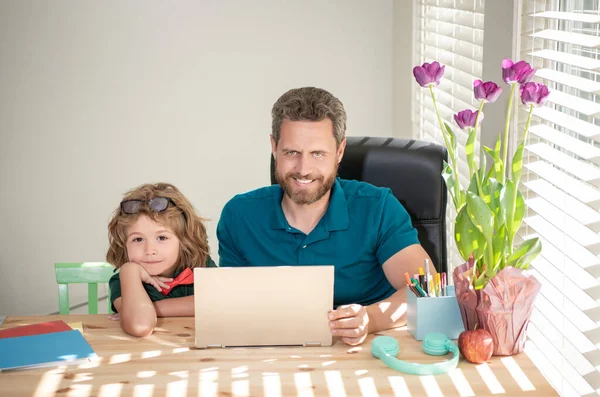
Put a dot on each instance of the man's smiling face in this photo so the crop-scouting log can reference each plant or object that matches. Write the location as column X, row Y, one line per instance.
column 306, row 159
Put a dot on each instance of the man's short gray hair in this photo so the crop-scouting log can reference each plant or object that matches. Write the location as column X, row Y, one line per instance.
column 309, row 104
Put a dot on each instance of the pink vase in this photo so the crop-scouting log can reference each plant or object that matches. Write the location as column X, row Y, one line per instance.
column 503, row 307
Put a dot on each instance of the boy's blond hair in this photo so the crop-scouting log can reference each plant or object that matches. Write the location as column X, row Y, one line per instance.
column 181, row 218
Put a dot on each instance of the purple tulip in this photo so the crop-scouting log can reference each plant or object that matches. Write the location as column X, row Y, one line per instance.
column 488, row 91
column 520, row 72
column 534, row 94
column 467, row 118
column 429, row 74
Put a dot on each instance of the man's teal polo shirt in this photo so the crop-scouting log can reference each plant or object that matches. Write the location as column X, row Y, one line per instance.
column 362, row 228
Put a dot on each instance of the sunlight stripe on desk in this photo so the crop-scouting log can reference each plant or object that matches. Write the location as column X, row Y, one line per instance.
column 517, row 373
column 239, row 370
column 304, row 386
column 143, row 390
column 367, row 387
column 208, row 382
column 120, row 358
column 50, row 381
column 238, row 388
column 490, row 379
column 179, row 374
column 461, row 383
column 399, row 386
column 146, row 374
column 335, row 384
column 110, row 390
column 271, row 384
column 151, row 353
column 432, row 388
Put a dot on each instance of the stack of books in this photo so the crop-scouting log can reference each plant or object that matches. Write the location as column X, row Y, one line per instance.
column 44, row 344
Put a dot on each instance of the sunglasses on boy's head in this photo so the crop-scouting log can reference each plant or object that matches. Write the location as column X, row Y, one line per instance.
column 156, row 204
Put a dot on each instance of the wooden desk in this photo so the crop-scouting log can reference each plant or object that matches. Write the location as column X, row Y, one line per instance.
column 167, row 364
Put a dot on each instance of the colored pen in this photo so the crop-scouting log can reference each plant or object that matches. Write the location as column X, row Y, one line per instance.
column 427, row 277
column 418, row 287
column 438, row 284
column 414, row 290
column 444, row 283
column 423, row 279
column 410, row 285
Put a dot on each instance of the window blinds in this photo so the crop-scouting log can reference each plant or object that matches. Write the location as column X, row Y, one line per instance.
column 450, row 32
column 561, row 38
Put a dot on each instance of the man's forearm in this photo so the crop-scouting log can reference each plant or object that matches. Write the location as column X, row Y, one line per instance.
column 175, row 307
column 388, row 313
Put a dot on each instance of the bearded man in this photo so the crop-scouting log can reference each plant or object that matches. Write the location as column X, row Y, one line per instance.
column 311, row 217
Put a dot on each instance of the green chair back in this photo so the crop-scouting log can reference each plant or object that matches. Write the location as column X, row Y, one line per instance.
column 90, row 273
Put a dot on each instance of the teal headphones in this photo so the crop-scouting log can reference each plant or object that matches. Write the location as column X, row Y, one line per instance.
column 386, row 348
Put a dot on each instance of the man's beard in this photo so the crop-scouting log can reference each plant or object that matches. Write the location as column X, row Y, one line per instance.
column 305, row 196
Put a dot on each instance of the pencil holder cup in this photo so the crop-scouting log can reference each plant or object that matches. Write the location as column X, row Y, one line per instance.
column 436, row 314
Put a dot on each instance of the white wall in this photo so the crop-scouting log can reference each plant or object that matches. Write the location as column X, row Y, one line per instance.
column 98, row 97
column 403, row 63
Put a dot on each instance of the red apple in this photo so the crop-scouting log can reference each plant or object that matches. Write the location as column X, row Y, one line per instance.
column 476, row 346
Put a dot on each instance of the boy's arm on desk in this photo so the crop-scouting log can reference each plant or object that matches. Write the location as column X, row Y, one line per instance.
column 175, row 307
column 137, row 314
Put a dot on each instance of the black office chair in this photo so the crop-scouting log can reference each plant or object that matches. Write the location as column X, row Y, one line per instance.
column 413, row 171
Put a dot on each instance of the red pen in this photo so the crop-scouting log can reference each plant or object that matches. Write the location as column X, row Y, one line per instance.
column 443, row 284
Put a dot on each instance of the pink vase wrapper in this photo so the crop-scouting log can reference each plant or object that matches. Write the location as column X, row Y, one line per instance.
column 503, row 307
column 465, row 294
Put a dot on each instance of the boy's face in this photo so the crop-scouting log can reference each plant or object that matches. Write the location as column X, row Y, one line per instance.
column 306, row 159
column 153, row 246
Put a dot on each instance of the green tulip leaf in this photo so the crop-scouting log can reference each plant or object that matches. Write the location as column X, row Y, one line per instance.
column 496, row 170
column 491, row 196
column 448, row 176
column 480, row 215
column 470, row 151
column 482, row 165
column 520, row 209
column 498, row 145
column 526, row 252
column 452, row 136
column 499, row 164
column 473, row 185
column 517, row 164
column 512, row 205
column 500, row 244
column 469, row 240
column 480, row 282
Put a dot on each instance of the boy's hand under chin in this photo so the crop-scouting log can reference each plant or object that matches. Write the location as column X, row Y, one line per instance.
column 157, row 281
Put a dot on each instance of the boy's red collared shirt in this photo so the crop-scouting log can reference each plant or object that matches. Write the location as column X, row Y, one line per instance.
column 185, row 277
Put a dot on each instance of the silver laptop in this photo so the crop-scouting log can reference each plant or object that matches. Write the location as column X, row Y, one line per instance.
column 263, row 306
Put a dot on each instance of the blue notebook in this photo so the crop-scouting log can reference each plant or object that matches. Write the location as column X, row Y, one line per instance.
column 58, row 348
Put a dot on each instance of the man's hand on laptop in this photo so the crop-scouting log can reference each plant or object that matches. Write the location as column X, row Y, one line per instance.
column 351, row 322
